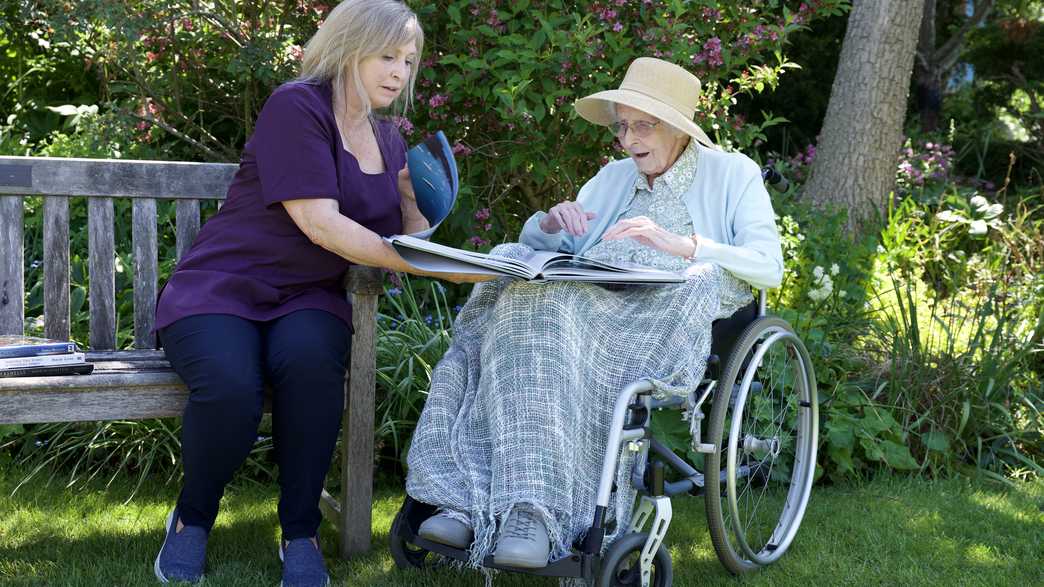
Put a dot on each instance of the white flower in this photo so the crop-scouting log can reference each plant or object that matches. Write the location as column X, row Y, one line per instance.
column 842, row 293
column 992, row 211
column 979, row 203
column 821, row 293
column 834, row 269
column 801, row 237
column 949, row 216
column 817, row 272
column 880, row 250
column 977, row 227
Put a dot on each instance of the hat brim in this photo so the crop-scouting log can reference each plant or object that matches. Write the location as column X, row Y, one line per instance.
column 596, row 109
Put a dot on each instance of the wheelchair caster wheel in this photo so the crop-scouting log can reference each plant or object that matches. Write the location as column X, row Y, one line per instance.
column 405, row 555
column 621, row 568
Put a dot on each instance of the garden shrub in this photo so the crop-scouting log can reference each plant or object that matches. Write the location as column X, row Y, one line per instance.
column 926, row 338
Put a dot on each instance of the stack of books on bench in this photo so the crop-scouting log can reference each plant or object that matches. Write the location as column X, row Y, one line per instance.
column 29, row 356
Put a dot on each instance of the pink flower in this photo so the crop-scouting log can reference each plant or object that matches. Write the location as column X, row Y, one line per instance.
column 482, row 214
column 461, row 150
column 403, row 124
column 437, row 100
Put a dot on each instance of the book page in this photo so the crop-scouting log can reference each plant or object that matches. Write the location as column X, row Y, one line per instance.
column 435, row 257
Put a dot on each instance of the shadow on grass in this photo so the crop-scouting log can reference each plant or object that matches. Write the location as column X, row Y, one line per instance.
column 890, row 531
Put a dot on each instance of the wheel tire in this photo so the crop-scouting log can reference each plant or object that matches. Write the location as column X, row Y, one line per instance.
column 740, row 547
column 620, row 564
column 405, row 555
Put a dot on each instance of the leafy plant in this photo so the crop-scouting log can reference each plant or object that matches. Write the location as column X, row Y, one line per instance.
column 412, row 335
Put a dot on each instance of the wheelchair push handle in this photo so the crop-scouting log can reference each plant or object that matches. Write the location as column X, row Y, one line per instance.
column 774, row 178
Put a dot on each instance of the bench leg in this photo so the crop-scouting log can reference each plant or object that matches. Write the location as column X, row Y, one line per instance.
column 357, row 433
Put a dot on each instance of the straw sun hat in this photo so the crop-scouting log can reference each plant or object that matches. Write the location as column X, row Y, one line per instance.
column 656, row 87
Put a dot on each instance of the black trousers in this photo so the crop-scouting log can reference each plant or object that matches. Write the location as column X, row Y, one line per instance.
column 226, row 362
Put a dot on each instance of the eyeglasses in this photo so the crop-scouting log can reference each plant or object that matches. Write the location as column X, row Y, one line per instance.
column 640, row 128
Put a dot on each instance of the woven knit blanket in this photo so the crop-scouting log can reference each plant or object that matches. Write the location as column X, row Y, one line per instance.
column 520, row 405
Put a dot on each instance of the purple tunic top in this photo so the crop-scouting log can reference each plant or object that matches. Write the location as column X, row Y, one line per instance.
column 250, row 259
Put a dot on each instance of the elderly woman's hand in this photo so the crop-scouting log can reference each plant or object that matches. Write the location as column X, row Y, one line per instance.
column 650, row 234
column 569, row 216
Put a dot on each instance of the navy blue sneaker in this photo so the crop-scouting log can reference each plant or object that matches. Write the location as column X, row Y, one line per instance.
column 183, row 554
column 303, row 564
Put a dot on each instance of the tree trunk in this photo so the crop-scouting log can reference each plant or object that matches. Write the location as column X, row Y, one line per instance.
column 927, row 77
column 856, row 160
column 935, row 60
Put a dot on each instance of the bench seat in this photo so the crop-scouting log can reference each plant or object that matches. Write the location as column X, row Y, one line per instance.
column 125, row 385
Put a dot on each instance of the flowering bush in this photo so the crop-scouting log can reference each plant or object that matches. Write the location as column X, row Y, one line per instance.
column 498, row 77
column 921, row 169
column 501, row 77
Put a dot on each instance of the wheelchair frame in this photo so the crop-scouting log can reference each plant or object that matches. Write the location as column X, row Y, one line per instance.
column 630, row 430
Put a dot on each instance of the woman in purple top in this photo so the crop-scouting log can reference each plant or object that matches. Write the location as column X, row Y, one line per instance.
column 258, row 299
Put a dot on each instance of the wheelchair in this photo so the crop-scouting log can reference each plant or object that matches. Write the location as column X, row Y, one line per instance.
column 759, row 459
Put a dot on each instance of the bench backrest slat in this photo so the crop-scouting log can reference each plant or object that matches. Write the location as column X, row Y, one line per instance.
column 12, row 286
column 54, row 176
column 145, row 272
column 186, row 217
column 56, row 179
column 56, row 267
column 101, row 244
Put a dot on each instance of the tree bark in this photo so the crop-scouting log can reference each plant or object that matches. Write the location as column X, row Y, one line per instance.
column 856, row 160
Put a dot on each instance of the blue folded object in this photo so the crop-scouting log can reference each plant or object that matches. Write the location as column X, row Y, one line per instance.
column 433, row 173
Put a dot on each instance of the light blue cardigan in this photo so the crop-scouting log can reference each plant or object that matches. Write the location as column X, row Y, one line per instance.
column 730, row 209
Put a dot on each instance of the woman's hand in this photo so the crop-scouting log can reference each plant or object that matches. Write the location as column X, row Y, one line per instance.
column 645, row 231
column 568, row 216
column 412, row 219
column 406, row 188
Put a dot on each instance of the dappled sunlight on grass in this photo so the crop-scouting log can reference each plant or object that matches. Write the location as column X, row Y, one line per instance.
column 890, row 531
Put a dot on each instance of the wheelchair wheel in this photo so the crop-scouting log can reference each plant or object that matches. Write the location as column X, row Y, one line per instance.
column 764, row 424
column 404, row 554
column 620, row 565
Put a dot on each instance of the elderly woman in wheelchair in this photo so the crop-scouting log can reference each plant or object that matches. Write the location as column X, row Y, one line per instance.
column 535, row 440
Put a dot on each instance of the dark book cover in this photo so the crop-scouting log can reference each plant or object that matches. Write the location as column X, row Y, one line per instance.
column 433, row 174
column 13, row 345
column 80, row 369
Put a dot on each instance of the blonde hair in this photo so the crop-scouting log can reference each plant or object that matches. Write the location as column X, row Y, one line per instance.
column 353, row 31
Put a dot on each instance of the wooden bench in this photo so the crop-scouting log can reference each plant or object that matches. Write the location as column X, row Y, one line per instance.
column 139, row 383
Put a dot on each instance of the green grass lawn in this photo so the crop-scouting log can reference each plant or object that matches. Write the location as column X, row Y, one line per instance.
column 886, row 532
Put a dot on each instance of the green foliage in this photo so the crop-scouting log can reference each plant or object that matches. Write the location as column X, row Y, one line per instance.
column 84, row 451
column 926, row 338
column 998, row 114
column 412, row 336
column 506, row 85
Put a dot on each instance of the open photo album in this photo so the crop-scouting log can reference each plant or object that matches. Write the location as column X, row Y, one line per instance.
column 433, row 174
column 539, row 266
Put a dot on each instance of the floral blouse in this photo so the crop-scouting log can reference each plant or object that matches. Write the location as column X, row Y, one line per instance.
column 664, row 204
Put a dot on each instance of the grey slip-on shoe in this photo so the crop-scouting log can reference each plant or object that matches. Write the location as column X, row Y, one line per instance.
column 524, row 541
column 445, row 529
